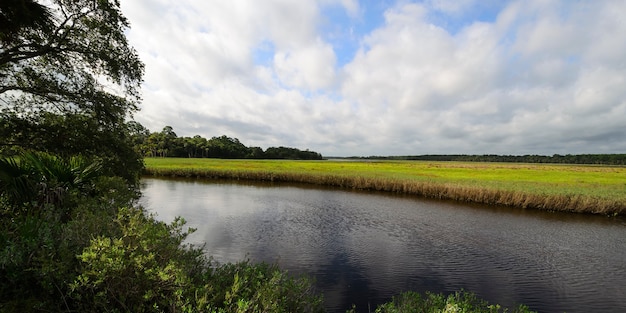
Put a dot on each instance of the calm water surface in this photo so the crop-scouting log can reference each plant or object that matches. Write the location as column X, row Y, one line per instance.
column 363, row 248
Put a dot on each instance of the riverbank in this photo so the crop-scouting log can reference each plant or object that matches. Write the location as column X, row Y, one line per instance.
column 569, row 188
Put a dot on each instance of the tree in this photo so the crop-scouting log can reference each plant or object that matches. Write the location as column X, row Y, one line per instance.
column 66, row 67
column 138, row 136
column 227, row 148
column 16, row 15
column 291, row 153
column 72, row 135
column 68, row 61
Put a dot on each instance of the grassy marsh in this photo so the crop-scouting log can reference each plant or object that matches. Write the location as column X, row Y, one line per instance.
column 573, row 188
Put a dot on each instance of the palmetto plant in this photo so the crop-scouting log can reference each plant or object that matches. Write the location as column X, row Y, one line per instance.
column 15, row 184
column 41, row 178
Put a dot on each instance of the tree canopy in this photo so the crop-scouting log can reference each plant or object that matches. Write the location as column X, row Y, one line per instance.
column 74, row 59
column 69, row 80
column 167, row 144
column 16, row 15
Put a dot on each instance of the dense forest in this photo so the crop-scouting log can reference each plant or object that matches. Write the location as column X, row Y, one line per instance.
column 167, row 144
column 605, row 159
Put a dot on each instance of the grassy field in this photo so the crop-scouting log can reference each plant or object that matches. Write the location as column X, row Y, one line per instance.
column 575, row 188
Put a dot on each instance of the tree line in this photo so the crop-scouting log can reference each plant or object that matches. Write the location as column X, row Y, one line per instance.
column 167, row 144
column 604, row 159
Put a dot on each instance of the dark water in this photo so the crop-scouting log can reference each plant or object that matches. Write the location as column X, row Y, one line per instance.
column 363, row 248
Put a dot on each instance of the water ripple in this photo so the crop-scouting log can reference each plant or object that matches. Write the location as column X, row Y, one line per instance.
column 364, row 248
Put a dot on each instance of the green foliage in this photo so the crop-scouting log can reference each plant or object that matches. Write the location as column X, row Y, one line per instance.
column 39, row 242
column 72, row 135
column 247, row 287
column 291, row 153
column 30, row 264
column 60, row 67
column 458, row 302
column 16, row 187
column 167, row 144
column 145, row 268
column 69, row 81
column 40, row 179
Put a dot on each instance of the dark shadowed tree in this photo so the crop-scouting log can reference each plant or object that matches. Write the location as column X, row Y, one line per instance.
column 83, row 63
column 69, row 79
column 19, row 15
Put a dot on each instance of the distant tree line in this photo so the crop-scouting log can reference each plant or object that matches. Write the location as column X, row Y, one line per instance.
column 605, row 159
column 167, row 144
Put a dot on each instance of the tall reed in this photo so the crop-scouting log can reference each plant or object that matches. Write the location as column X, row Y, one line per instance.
column 425, row 188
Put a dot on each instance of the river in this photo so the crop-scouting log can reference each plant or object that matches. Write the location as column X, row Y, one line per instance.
column 364, row 247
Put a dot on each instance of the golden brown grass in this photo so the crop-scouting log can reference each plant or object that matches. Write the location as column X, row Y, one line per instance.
column 573, row 188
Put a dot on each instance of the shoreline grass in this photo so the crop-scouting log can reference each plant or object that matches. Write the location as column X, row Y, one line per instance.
column 569, row 188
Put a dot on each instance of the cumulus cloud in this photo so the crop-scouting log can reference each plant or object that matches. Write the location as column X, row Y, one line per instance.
column 309, row 67
column 431, row 76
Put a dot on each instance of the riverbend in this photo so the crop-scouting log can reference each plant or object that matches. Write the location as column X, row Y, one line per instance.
column 365, row 247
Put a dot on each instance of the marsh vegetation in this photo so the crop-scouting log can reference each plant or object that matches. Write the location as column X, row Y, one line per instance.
column 570, row 188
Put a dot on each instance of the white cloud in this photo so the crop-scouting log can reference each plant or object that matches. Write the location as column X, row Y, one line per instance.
column 541, row 77
column 598, row 91
column 310, row 67
column 416, row 74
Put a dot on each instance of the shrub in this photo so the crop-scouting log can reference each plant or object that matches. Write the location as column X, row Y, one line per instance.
column 30, row 269
column 146, row 268
column 39, row 242
column 458, row 302
column 247, row 287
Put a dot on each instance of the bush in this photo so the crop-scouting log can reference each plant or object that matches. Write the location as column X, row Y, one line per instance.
column 39, row 242
column 149, row 269
column 30, row 268
column 146, row 268
column 247, row 287
column 458, row 302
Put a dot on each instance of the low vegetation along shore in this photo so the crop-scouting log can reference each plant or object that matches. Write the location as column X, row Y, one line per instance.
column 570, row 188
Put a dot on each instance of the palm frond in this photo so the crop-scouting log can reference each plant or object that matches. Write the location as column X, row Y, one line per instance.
column 15, row 181
column 45, row 178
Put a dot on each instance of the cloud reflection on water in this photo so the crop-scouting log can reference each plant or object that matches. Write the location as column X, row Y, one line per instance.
column 364, row 248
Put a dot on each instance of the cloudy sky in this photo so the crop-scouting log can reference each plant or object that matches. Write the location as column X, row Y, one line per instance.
column 349, row 77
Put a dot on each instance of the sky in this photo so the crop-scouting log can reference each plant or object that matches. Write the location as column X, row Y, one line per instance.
column 362, row 78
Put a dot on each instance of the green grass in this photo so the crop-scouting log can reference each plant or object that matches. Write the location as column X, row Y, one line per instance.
column 578, row 188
